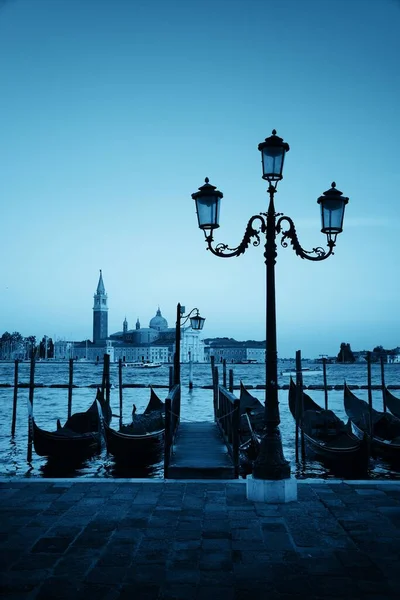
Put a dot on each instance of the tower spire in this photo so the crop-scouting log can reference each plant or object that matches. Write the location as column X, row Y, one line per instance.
column 100, row 286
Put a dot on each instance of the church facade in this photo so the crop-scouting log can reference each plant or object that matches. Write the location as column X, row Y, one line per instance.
column 155, row 343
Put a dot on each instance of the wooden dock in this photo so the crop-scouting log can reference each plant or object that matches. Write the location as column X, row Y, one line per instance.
column 200, row 453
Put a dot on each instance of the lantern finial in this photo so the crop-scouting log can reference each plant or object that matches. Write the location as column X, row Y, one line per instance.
column 274, row 132
column 206, row 180
column 333, row 184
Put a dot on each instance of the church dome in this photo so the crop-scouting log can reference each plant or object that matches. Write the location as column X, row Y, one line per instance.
column 158, row 322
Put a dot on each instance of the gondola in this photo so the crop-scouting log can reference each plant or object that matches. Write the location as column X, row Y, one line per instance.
column 385, row 439
column 252, row 406
column 85, row 422
column 79, row 438
column 327, row 437
column 141, row 442
column 392, row 403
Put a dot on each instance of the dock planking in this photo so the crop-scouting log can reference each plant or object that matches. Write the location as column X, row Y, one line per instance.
column 200, row 453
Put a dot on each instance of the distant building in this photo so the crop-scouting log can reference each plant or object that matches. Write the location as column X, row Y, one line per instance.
column 233, row 351
column 155, row 343
column 100, row 313
column 394, row 357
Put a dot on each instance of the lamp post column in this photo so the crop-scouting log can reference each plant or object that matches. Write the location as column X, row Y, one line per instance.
column 271, row 463
column 177, row 357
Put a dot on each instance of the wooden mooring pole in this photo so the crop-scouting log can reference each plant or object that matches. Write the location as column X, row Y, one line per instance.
column 190, row 371
column 14, row 412
column 171, row 378
column 104, row 376
column 299, row 404
column 107, row 379
column 369, row 391
column 383, row 385
column 231, row 381
column 216, row 390
column 30, row 424
column 325, row 383
column 120, row 391
column 70, row 385
column 224, row 372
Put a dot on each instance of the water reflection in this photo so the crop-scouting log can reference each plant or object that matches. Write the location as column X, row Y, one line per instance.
column 114, row 469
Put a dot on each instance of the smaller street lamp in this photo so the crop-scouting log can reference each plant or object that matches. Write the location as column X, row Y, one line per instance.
column 196, row 323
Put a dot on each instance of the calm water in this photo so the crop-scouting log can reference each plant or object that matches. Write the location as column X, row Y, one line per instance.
column 50, row 404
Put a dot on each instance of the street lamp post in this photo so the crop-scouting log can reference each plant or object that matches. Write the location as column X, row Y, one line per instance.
column 271, row 463
column 196, row 323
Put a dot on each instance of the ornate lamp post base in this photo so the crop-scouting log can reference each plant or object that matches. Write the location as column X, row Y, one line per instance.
column 271, row 482
column 270, row 462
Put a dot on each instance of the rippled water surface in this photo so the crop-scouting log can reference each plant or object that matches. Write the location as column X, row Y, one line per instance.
column 196, row 405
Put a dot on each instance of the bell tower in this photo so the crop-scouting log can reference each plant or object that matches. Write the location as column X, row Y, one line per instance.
column 100, row 313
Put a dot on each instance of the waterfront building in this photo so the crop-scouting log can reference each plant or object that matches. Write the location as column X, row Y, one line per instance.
column 233, row 351
column 192, row 347
column 155, row 343
column 395, row 356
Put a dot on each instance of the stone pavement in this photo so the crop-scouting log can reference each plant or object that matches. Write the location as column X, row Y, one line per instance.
column 117, row 539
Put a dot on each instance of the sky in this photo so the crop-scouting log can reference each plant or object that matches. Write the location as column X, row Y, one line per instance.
column 113, row 113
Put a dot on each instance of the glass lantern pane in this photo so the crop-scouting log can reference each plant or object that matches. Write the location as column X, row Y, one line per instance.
column 332, row 212
column 273, row 162
column 208, row 211
column 197, row 322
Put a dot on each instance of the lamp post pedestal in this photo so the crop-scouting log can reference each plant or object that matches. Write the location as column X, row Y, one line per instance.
column 271, row 481
column 271, row 491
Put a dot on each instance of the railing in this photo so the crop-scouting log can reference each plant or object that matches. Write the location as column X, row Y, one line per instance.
column 227, row 417
column 172, row 418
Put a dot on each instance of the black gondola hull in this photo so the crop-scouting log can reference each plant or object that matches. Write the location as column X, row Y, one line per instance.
column 58, row 445
column 134, row 450
column 345, row 453
column 77, row 440
column 392, row 403
column 380, row 446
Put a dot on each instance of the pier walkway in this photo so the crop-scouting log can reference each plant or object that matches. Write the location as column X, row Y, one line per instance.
column 200, row 453
column 198, row 540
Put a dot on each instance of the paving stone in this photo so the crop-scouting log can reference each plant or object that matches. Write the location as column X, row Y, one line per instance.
column 146, row 574
column 187, row 544
column 183, row 576
column 177, row 592
column 21, row 588
column 140, row 591
column 208, row 592
column 98, row 591
column 106, row 574
column 216, row 561
column 216, row 544
column 52, row 544
column 75, row 567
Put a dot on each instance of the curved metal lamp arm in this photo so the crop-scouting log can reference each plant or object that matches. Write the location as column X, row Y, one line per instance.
column 250, row 232
column 319, row 253
column 187, row 317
